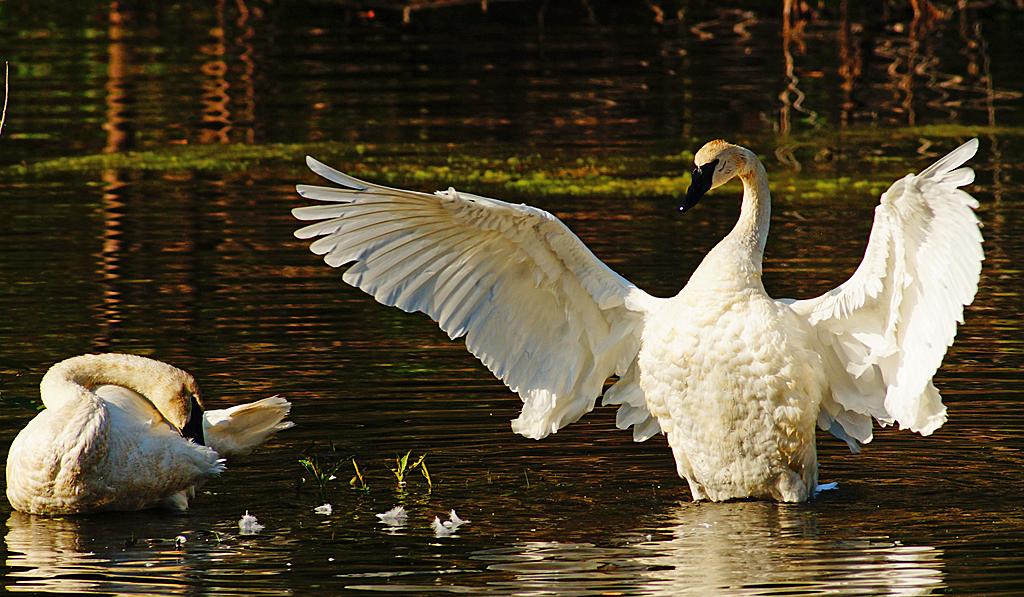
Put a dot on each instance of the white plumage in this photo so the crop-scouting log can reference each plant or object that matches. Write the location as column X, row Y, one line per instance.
column 735, row 379
column 111, row 437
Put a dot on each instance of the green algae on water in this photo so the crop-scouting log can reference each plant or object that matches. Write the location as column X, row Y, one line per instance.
column 430, row 165
column 552, row 173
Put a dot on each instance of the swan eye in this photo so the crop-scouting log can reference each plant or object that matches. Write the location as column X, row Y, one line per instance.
column 709, row 168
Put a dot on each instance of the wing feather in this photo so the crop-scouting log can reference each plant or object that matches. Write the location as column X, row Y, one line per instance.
column 534, row 304
column 884, row 332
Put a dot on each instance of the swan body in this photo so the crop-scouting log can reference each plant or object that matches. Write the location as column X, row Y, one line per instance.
column 704, row 347
column 736, row 380
column 123, row 432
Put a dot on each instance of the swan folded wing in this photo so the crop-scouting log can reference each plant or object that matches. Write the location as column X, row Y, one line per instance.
column 148, row 460
column 885, row 331
column 52, row 458
column 539, row 310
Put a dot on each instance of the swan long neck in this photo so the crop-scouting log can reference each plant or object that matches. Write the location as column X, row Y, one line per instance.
column 735, row 262
column 751, row 229
column 165, row 386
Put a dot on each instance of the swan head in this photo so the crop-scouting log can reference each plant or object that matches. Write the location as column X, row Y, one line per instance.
column 189, row 397
column 170, row 390
column 179, row 400
column 715, row 164
column 173, row 391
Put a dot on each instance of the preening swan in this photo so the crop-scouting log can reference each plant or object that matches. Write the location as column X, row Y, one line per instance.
column 123, row 432
column 735, row 379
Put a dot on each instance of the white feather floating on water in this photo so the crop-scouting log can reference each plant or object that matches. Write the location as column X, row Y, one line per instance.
column 325, row 509
column 439, row 529
column 248, row 525
column 448, row 527
column 454, row 521
column 394, row 517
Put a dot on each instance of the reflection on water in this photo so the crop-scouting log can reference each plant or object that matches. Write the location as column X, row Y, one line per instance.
column 59, row 555
column 736, row 549
column 767, row 548
column 241, row 72
column 743, row 548
column 112, row 554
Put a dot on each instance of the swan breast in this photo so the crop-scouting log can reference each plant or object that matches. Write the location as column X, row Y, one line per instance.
column 735, row 383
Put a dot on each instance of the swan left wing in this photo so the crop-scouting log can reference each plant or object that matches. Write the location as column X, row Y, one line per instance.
column 884, row 332
column 539, row 310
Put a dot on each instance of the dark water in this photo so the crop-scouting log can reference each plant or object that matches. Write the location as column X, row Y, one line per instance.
column 199, row 268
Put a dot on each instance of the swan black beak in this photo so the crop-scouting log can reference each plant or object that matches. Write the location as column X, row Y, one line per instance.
column 194, row 426
column 700, row 183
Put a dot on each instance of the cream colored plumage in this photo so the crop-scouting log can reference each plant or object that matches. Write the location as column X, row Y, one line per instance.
column 111, row 437
column 735, row 379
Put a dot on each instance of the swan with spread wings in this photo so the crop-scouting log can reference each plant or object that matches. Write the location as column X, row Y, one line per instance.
column 736, row 380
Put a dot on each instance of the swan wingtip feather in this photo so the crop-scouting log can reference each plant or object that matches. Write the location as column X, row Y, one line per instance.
column 313, row 163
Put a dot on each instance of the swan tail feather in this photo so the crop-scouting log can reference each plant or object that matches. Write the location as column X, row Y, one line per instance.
column 239, row 430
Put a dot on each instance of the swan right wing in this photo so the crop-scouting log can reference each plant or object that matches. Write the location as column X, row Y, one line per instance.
column 540, row 311
column 884, row 332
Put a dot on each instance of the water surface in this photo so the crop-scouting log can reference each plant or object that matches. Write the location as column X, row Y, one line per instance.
column 199, row 268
